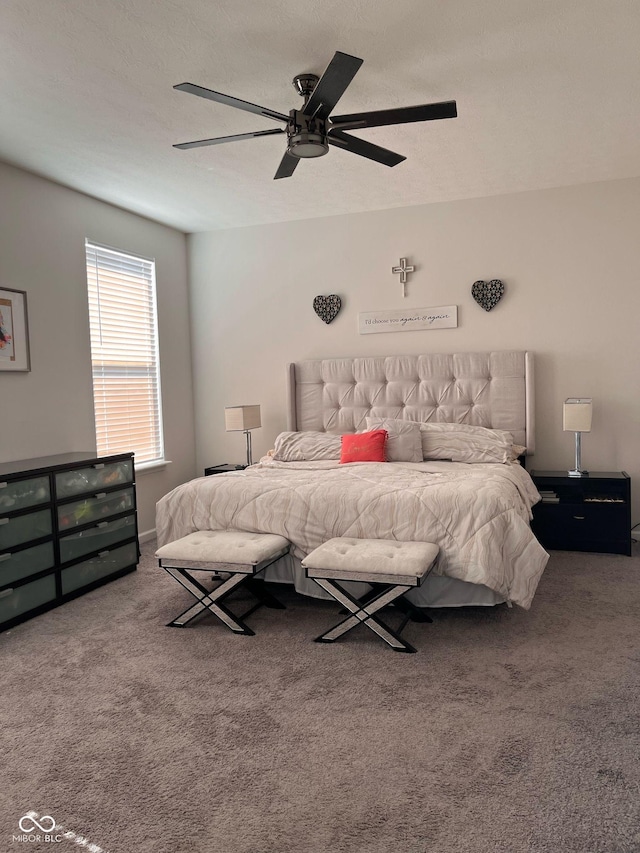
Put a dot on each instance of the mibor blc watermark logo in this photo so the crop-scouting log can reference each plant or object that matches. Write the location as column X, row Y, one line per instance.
column 37, row 828
column 43, row 829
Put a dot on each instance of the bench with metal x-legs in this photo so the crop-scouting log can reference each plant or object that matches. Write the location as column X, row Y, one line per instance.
column 232, row 557
column 394, row 566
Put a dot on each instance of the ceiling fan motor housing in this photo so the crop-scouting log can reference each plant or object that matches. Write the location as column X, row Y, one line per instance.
column 304, row 84
column 307, row 135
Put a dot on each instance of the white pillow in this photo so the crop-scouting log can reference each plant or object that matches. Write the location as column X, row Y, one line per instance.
column 517, row 450
column 404, row 441
column 307, row 446
column 466, row 443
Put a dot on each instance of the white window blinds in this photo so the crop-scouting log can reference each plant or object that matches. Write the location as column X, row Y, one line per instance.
column 124, row 353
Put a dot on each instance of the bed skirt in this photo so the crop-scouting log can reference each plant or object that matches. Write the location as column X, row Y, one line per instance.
column 436, row 591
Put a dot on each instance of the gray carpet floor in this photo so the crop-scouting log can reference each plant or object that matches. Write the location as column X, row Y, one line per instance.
column 508, row 731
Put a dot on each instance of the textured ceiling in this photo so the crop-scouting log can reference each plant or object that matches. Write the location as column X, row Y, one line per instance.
column 548, row 94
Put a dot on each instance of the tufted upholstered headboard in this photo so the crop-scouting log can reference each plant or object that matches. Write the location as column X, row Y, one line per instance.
column 492, row 389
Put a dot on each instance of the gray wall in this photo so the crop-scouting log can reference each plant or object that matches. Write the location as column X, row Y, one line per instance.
column 50, row 410
column 570, row 259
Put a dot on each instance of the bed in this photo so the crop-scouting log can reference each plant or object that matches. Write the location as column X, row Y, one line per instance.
column 477, row 512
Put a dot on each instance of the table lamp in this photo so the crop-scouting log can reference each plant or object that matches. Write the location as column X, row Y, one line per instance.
column 242, row 419
column 576, row 417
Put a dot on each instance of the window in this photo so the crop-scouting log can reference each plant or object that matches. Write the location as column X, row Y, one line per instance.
column 124, row 354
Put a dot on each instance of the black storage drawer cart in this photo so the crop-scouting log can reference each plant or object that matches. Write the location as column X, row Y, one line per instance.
column 67, row 525
column 590, row 513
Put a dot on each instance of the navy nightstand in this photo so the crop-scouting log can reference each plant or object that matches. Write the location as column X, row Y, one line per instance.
column 223, row 469
column 590, row 513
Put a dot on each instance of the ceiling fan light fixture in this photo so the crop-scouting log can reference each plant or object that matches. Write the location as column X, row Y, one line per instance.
column 307, row 143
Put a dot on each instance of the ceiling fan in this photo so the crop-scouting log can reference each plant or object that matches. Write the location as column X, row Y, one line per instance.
column 311, row 130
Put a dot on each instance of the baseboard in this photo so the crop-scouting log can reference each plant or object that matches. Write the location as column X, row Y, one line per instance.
column 146, row 536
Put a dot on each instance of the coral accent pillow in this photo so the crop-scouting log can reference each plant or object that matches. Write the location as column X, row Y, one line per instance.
column 364, row 446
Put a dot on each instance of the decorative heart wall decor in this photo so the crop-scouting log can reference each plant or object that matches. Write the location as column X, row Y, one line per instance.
column 487, row 295
column 327, row 307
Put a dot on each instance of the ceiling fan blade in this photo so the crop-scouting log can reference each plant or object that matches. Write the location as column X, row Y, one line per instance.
column 192, row 89
column 200, row 143
column 331, row 86
column 364, row 149
column 287, row 166
column 401, row 115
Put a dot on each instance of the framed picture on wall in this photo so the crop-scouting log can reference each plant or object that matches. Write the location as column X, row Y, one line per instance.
column 14, row 330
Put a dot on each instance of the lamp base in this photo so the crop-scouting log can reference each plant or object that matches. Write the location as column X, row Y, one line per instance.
column 249, row 454
column 577, row 470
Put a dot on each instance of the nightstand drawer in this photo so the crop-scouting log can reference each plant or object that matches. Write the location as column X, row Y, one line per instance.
column 22, row 494
column 22, row 564
column 583, row 527
column 576, row 521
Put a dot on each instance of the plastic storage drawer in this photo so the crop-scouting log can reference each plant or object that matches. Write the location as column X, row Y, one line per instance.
column 22, row 564
column 95, row 508
column 105, row 564
column 103, row 535
column 94, row 478
column 14, row 602
column 22, row 494
column 23, row 528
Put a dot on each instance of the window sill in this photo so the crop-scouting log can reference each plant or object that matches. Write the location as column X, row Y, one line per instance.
column 149, row 467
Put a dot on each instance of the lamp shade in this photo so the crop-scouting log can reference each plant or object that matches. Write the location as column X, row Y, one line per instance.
column 576, row 414
column 241, row 418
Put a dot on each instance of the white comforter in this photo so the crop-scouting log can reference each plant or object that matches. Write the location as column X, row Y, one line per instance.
column 477, row 514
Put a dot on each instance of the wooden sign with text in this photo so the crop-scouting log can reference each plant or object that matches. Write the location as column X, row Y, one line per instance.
column 408, row 320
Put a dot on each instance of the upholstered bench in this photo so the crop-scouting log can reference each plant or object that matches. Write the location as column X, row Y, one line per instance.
column 232, row 557
column 396, row 566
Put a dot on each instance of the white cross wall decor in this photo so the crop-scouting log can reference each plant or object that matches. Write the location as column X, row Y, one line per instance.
column 404, row 270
